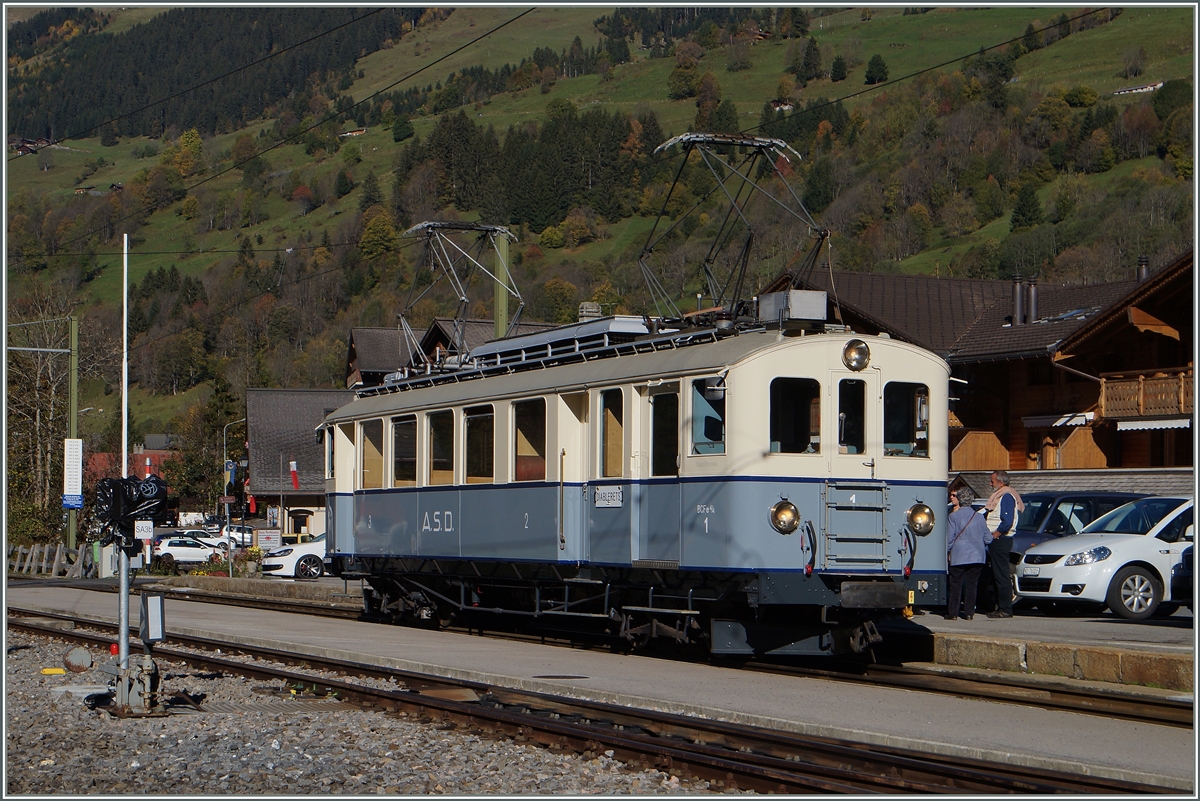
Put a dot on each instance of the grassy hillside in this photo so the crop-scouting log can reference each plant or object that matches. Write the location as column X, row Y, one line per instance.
column 907, row 42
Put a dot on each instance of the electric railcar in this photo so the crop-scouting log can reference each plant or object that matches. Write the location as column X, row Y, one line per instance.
column 761, row 491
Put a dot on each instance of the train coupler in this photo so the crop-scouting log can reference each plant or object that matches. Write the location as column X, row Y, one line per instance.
column 864, row 636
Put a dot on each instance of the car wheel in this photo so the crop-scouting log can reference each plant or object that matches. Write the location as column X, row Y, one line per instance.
column 309, row 567
column 1134, row 593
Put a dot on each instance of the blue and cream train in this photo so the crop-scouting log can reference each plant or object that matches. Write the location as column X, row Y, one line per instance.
column 761, row 491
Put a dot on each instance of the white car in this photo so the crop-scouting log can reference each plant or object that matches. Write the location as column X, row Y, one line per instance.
column 184, row 550
column 209, row 539
column 305, row 560
column 1125, row 560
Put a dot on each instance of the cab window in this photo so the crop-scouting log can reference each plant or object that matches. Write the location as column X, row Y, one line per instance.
column 795, row 415
column 905, row 419
column 1174, row 530
column 852, row 412
column 708, row 416
column 664, row 434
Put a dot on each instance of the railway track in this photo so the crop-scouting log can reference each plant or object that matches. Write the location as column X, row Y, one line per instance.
column 729, row 755
column 990, row 686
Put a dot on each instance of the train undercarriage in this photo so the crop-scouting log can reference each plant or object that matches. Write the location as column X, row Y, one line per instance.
column 725, row 613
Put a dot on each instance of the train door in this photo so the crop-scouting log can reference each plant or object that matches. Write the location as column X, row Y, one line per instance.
column 611, row 502
column 855, row 501
column 572, row 461
column 657, row 536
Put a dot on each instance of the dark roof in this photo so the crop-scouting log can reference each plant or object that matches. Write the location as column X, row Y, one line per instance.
column 281, row 423
column 1153, row 481
column 1176, row 278
column 377, row 350
column 1062, row 310
column 966, row 319
column 927, row 311
column 158, row 442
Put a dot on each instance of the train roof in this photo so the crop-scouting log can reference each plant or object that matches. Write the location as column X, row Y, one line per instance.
column 643, row 359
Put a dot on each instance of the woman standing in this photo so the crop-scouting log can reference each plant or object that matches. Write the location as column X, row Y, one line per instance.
column 967, row 541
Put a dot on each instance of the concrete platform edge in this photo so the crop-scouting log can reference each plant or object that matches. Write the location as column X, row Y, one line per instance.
column 715, row 713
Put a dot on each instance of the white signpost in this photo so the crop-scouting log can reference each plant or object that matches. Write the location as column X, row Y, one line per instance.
column 72, row 474
column 269, row 539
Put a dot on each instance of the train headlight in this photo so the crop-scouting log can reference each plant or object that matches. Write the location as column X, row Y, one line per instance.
column 785, row 517
column 856, row 355
column 920, row 519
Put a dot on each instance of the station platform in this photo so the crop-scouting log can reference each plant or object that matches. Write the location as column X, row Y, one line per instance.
column 975, row 729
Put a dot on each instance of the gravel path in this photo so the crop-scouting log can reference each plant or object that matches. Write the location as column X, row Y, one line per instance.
column 56, row 745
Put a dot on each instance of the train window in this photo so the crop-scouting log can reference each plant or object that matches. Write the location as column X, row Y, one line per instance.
column 480, row 436
column 371, row 464
column 612, row 433
column 404, row 451
column 441, row 448
column 530, row 440
column 905, row 419
column 852, row 413
column 708, row 416
column 795, row 415
column 664, row 432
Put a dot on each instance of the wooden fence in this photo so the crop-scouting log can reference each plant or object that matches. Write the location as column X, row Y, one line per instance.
column 66, row 562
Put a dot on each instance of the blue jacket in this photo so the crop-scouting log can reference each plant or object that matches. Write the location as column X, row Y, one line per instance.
column 967, row 537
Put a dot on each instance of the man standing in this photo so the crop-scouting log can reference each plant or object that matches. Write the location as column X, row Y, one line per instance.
column 1002, row 509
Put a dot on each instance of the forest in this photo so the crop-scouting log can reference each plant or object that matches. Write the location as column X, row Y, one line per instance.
column 1003, row 177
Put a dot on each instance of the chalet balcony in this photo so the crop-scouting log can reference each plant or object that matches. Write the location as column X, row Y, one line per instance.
column 1159, row 393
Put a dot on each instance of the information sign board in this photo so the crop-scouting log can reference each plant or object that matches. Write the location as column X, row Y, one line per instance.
column 269, row 539
column 72, row 474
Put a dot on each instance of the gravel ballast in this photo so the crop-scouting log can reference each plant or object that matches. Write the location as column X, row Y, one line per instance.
column 55, row 744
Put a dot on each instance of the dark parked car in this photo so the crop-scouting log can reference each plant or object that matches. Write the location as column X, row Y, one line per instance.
column 1049, row 515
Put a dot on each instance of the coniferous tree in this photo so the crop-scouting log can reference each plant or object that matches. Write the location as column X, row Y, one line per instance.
column 877, row 71
column 1027, row 212
column 402, row 128
column 371, row 193
column 837, row 72
column 812, row 61
column 725, row 118
column 821, row 187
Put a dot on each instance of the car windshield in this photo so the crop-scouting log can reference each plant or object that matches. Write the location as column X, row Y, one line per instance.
column 1036, row 507
column 1137, row 517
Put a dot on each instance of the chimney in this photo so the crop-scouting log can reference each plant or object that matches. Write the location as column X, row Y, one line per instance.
column 1031, row 306
column 1143, row 268
column 1018, row 310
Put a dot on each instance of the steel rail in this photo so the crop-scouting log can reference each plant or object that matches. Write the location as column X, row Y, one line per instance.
column 1014, row 689
column 990, row 687
column 731, row 755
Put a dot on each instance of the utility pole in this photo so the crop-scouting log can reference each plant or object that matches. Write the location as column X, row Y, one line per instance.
column 73, row 416
column 500, row 287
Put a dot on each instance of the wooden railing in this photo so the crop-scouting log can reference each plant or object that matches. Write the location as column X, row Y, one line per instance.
column 36, row 561
column 1161, row 393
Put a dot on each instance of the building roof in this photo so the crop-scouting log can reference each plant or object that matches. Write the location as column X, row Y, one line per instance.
column 280, row 425
column 1062, row 310
column 967, row 319
column 927, row 311
column 1174, row 279
column 1154, row 481
column 377, row 350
